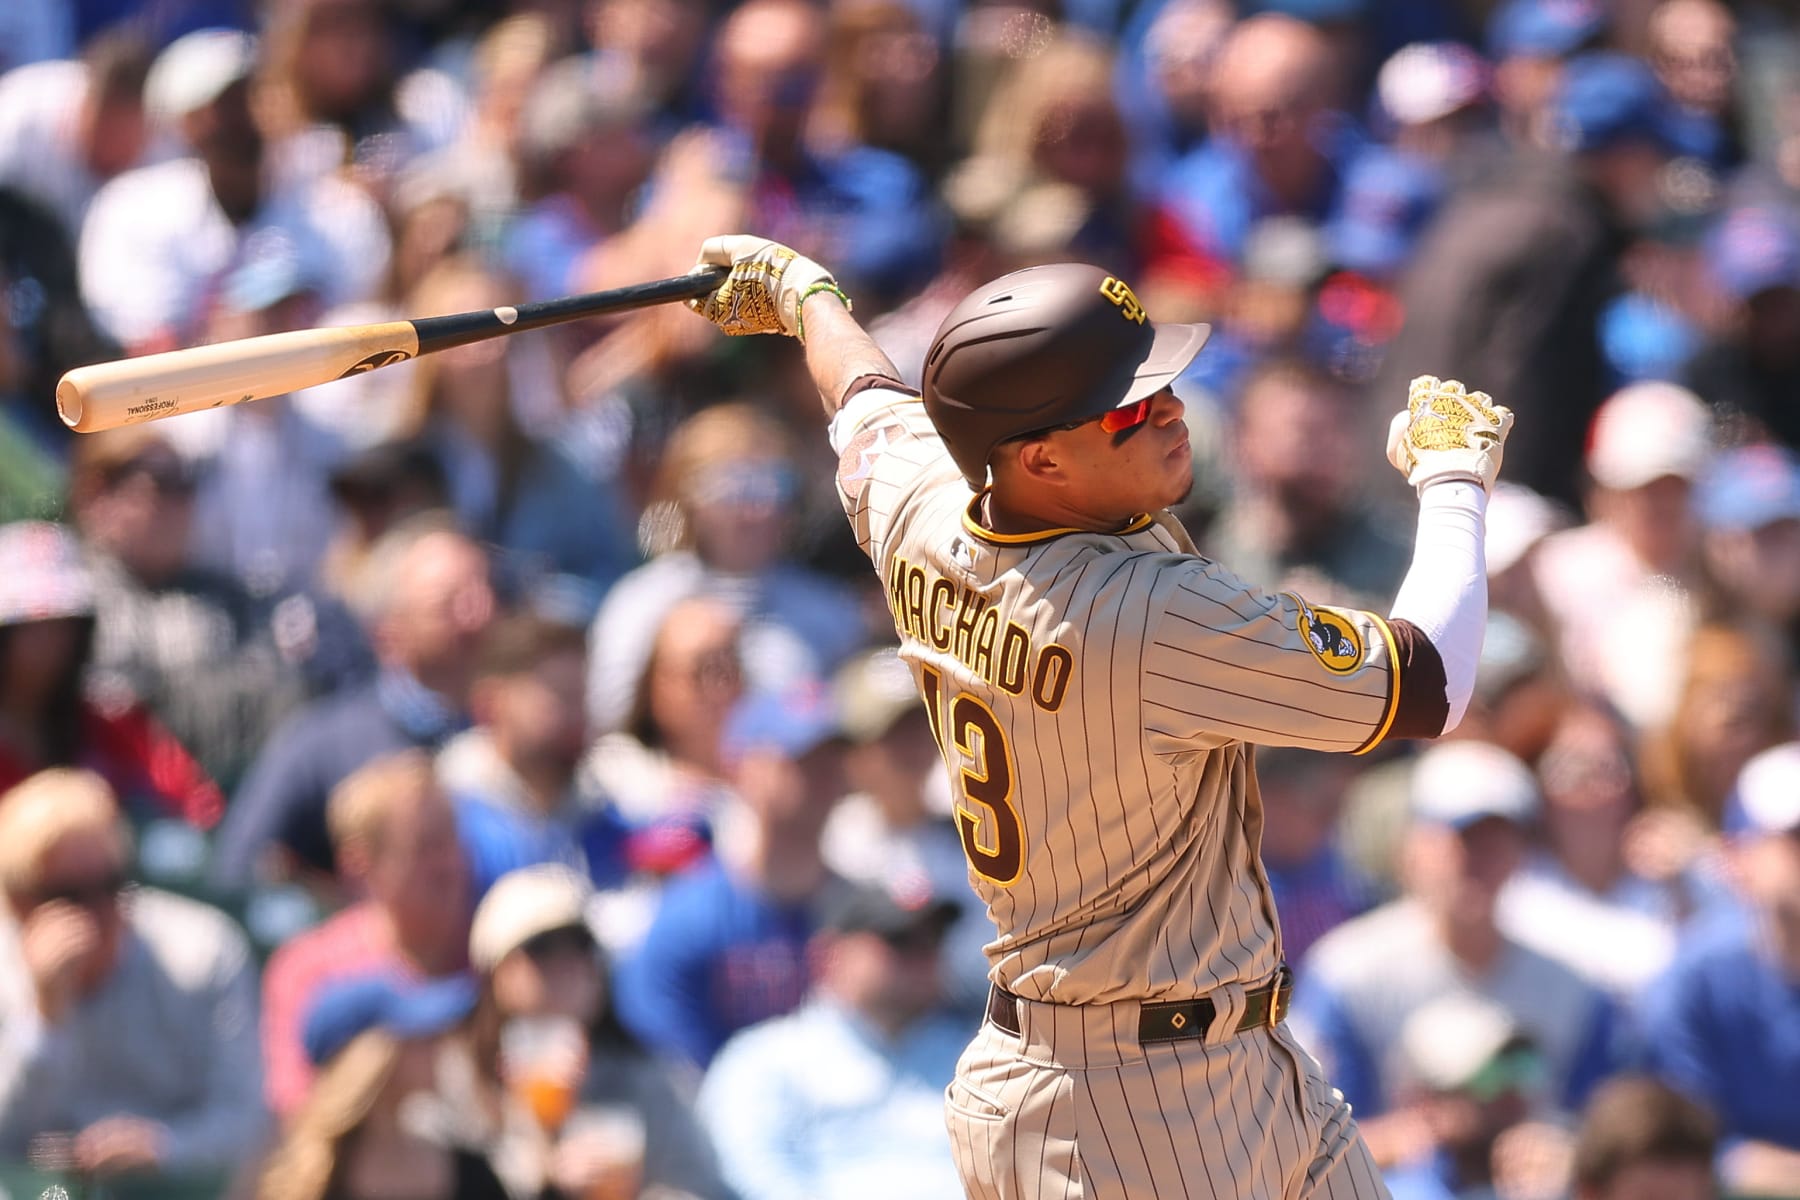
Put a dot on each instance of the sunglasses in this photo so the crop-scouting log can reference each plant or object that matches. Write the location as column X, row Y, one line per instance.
column 1113, row 420
column 90, row 894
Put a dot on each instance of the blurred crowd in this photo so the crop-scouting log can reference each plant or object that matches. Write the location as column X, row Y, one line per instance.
column 492, row 775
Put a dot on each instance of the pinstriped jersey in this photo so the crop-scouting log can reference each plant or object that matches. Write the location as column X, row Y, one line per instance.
column 1095, row 696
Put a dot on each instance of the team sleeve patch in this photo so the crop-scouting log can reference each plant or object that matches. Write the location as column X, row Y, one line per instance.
column 1332, row 637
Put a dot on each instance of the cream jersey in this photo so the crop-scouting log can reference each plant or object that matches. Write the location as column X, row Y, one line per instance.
column 1095, row 696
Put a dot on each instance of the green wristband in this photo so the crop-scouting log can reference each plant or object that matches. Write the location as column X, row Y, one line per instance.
column 819, row 285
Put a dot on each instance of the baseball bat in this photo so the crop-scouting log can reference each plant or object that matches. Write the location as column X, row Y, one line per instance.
column 110, row 394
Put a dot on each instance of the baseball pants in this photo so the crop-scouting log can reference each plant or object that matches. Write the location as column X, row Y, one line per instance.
column 1073, row 1108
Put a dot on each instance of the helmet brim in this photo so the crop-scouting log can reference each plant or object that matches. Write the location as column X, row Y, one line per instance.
column 1171, row 350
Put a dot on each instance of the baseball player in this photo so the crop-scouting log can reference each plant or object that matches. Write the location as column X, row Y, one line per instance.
column 1095, row 686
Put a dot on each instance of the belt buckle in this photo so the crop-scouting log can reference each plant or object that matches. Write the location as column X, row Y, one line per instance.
column 1280, row 992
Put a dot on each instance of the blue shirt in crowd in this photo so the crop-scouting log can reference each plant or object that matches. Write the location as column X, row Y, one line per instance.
column 820, row 1103
column 719, row 956
column 1723, row 1024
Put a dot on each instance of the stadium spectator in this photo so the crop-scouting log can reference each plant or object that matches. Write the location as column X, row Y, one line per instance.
column 1691, row 49
column 1279, row 148
column 192, row 645
column 1576, row 899
column 864, row 210
column 727, row 946
column 1750, row 367
column 1631, row 567
column 585, row 152
column 395, row 836
column 1052, row 124
column 69, row 125
column 1560, row 220
column 784, row 1127
column 1641, row 1138
column 1749, row 504
column 1472, row 805
column 540, row 968
column 514, row 774
column 665, row 765
column 427, row 601
column 130, row 1013
column 157, row 239
column 1293, row 519
column 1316, row 888
column 513, row 480
column 376, row 1043
column 1530, row 43
column 893, row 830
column 1473, row 1074
column 1719, row 1025
column 723, row 502
column 47, row 718
column 1735, row 699
column 262, row 510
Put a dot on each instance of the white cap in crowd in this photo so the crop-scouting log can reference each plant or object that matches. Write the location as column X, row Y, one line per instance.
column 1460, row 783
column 1647, row 431
column 523, row 904
column 1517, row 519
column 1446, row 1042
column 1429, row 80
column 1768, row 789
column 193, row 71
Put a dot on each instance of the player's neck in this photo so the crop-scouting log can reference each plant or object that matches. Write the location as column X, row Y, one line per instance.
column 1015, row 515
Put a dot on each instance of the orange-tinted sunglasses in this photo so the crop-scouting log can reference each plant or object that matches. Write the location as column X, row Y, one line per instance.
column 1118, row 420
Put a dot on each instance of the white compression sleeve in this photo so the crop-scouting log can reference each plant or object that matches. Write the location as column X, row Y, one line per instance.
column 1445, row 590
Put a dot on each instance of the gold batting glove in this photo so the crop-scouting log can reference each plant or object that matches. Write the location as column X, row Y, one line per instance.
column 1448, row 433
column 767, row 285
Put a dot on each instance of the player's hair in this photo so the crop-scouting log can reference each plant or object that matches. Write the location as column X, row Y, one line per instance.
column 44, row 809
column 516, row 644
column 1635, row 1119
column 358, row 809
column 305, row 1165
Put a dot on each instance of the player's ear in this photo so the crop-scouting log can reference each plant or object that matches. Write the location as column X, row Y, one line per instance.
column 1037, row 459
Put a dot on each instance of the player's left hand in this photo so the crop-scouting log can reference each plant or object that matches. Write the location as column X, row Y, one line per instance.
column 767, row 285
column 1448, row 432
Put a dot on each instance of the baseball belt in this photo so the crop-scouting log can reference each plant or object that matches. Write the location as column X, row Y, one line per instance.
column 1174, row 1020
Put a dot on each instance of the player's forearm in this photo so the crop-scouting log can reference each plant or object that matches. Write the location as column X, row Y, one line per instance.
column 1444, row 593
column 838, row 351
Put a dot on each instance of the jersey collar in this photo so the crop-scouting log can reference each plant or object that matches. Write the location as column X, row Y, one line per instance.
column 972, row 523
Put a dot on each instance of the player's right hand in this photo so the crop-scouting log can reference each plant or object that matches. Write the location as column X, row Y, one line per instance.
column 1447, row 432
column 767, row 285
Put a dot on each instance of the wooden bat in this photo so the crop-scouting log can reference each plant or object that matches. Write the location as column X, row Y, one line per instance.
column 110, row 394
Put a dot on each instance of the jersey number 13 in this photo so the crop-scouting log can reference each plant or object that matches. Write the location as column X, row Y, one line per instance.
column 992, row 835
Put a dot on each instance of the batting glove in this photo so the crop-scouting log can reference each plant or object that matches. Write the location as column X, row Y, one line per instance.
column 767, row 285
column 1448, row 433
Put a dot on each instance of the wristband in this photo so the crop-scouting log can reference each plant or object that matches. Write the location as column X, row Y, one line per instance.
column 818, row 285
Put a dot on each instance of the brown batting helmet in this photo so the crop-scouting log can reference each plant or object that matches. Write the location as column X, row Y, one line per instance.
column 1040, row 348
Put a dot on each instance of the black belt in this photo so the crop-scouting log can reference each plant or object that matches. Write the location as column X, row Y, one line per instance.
column 1174, row 1020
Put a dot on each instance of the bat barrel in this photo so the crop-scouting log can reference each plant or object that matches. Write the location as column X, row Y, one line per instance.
column 110, row 394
